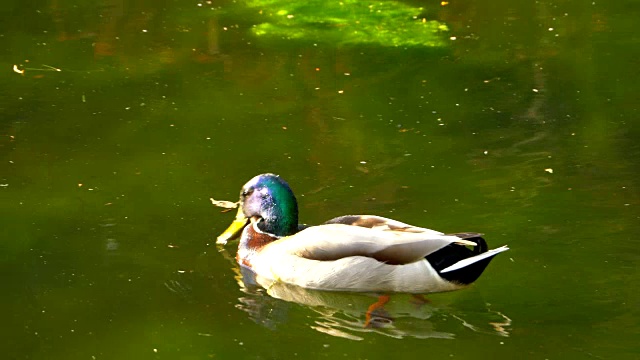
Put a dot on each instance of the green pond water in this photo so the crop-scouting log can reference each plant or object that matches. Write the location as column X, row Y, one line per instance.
column 119, row 120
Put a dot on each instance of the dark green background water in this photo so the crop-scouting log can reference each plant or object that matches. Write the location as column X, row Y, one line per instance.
column 525, row 127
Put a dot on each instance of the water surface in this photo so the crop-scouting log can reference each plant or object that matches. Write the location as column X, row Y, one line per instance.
column 516, row 120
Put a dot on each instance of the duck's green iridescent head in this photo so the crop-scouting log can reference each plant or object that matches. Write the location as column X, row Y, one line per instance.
column 271, row 200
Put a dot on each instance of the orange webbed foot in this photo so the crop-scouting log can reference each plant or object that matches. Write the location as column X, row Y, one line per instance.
column 377, row 309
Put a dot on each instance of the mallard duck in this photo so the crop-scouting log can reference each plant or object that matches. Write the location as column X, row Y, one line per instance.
column 360, row 253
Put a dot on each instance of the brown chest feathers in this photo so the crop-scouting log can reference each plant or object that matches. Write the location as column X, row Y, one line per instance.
column 251, row 244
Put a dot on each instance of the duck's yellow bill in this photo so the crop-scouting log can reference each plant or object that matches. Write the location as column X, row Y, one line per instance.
column 234, row 230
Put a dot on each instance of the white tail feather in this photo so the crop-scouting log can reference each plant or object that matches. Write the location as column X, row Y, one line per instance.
column 468, row 261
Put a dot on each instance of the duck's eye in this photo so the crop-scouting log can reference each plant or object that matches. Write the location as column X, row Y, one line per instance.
column 246, row 192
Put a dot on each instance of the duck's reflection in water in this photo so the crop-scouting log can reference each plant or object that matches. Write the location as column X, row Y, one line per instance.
column 351, row 315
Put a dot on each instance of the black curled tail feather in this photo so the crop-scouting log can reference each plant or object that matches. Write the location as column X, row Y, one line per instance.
column 481, row 244
column 453, row 253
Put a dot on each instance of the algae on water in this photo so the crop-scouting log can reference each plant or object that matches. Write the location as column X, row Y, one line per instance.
column 386, row 23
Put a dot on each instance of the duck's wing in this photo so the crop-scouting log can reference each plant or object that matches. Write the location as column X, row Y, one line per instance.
column 336, row 241
column 380, row 223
